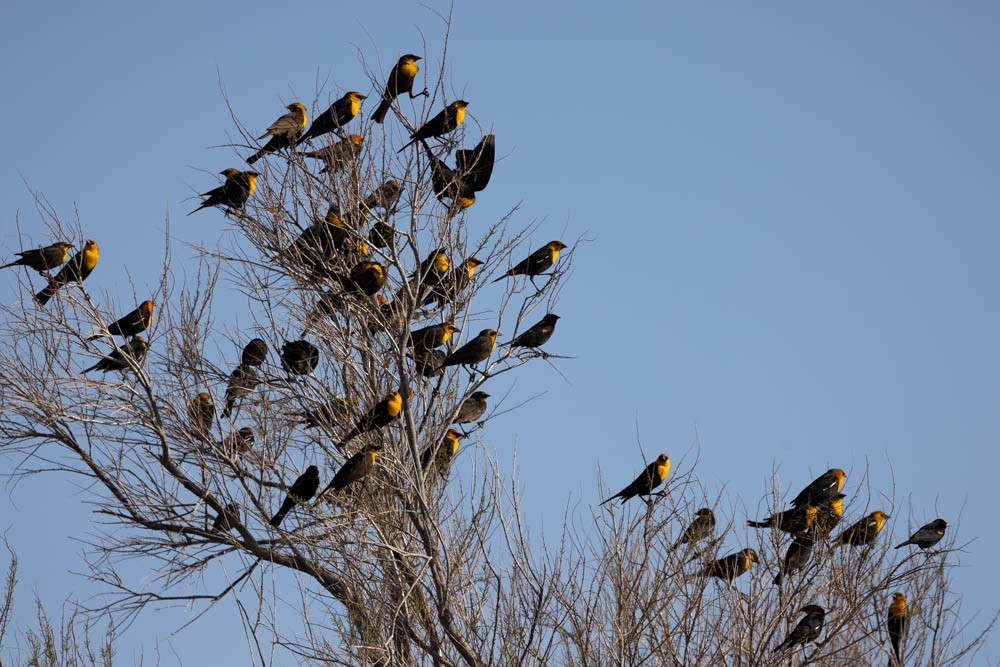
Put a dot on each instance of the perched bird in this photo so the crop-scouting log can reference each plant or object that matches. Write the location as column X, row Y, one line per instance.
column 42, row 259
column 201, row 415
column 729, row 567
column 472, row 172
column 228, row 517
column 75, row 270
column 446, row 121
column 339, row 114
column 330, row 413
column 806, row 630
column 790, row 521
column 299, row 357
column 131, row 324
column 441, row 454
column 242, row 381
column 284, row 132
column 897, row 623
column 796, row 556
column 301, row 491
column 471, row 409
column 238, row 443
column 863, row 532
column 233, row 193
column 538, row 334
column 433, row 269
column 928, row 535
column 453, row 286
column 650, row 478
column 537, row 262
column 384, row 196
column 354, row 469
column 822, row 489
column 702, row 526
column 122, row 358
column 382, row 235
column 337, row 156
column 380, row 415
column 427, row 363
column 255, row 353
column 476, row 350
column 433, row 336
column 829, row 516
column 365, row 278
column 400, row 81
column 319, row 242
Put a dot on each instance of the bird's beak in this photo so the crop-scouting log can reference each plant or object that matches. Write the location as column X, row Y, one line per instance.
column 363, row 97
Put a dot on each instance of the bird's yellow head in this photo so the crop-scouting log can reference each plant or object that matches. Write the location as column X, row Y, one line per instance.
column 452, row 437
column 229, row 172
column 409, row 58
column 447, row 330
column 251, row 180
column 459, row 104
column 381, row 300
column 90, row 254
column 146, row 310
column 749, row 556
column 394, row 401
column 471, row 264
column 841, row 476
column 366, row 268
column 555, row 247
column 491, row 334
column 662, row 466
column 879, row 517
column 440, row 262
column 898, row 606
column 356, row 139
column 297, row 107
column 139, row 343
column 391, row 186
column 204, row 398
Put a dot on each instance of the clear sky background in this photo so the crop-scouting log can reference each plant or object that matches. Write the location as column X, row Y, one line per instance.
column 792, row 209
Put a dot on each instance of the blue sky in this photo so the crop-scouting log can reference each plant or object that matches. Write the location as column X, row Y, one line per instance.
column 791, row 212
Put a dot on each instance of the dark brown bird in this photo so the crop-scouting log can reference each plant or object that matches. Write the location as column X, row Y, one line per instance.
column 863, row 532
column 301, row 491
column 384, row 196
column 538, row 334
column 227, row 519
column 330, row 413
column 897, row 624
column 702, row 526
column 476, row 350
column 132, row 324
column 473, row 169
column 427, row 363
column 537, row 262
column 400, row 81
column 337, row 156
column 299, row 357
column 284, row 132
column 42, row 259
column 201, row 416
column 453, row 286
column 319, row 242
column 806, row 630
column 796, row 556
column 242, row 381
column 354, row 469
column 441, row 454
column 365, row 278
column 729, row 567
column 75, row 270
column 339, row 114
column 433, row 336
column 446, row 121
column 822, row 489
column 255, row 353
column 380, row 415
column 472, row 408
column 650, row 478
column 233, row 193
column 122, row 358
column 928, row 535
column 238, row 443
column 382, row 235
column 790, row 521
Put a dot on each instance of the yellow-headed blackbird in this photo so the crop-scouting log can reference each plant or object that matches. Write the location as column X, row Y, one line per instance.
column 537, row 262
column 446, row 121
column 242, row 381
column 232, row 194
column 339, row 114
column 476, row 350
column 340, row 154
column 380, row 415
column 384, row 196
column 228, row 517
column 330, row 413
column 806, row 630
column 354, row 469
column 433, row 269
column 729, row 567
column 928, row 535
column 284, row 131
column 382, row 235
column 239, row 442
column 320, row 241
column 702, row 526
column 76, row 270
column 796, row 556
column 301, row 491
column 131, row 324
column 454, row 284
column 427, row 363
column 42, row 259
column 255, row 353
column 472, row 408
column 863, row 532
column 400, row 81
column 538, row 334
column 791, row 521
column 299, row 357
column 122, row 358
column 897, row 624
column 432, row 336
column 365, row 277
column 829, row 516
column 473, row 169
column 650, row 478
column 822, row 489
column 442, row 454
column 201, row 415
